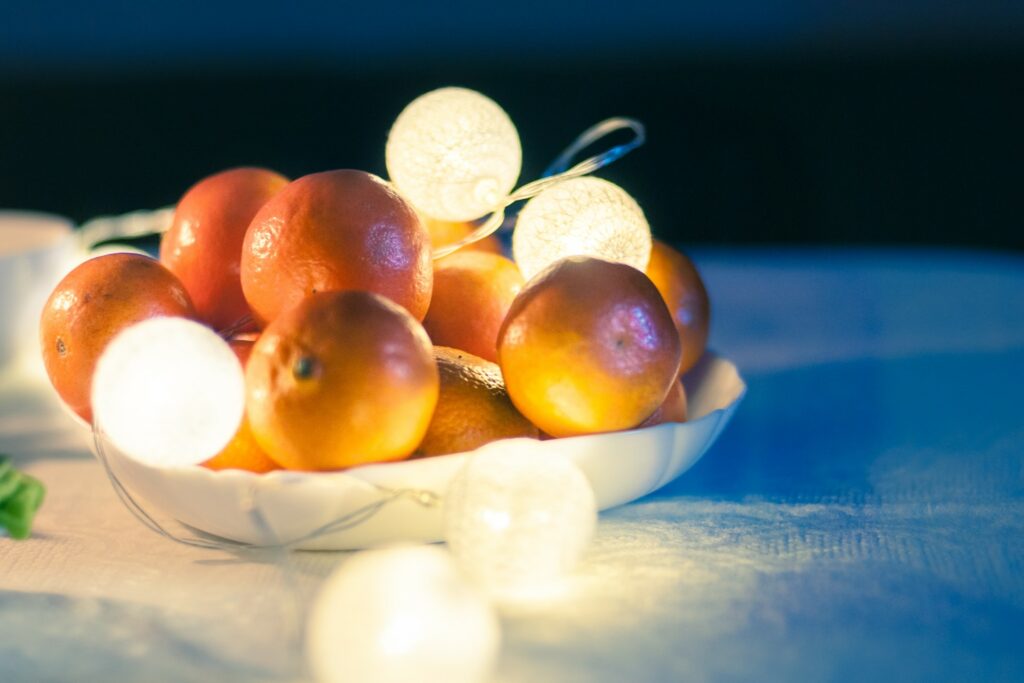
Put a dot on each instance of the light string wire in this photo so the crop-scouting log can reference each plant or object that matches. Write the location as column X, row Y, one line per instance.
column 126, row 226
column 557, row 172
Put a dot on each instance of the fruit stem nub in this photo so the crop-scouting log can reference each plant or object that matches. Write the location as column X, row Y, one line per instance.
column 304, row 367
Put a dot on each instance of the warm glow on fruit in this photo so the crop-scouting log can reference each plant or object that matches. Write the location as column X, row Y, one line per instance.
column 588, row 346
column 242, row 453
column 472, row 293
column 342, row 379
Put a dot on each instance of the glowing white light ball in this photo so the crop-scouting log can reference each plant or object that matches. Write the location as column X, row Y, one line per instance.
column 454, row 154
column 518, row 520
column 168, row 391
column 581, row 217
column 401, row 614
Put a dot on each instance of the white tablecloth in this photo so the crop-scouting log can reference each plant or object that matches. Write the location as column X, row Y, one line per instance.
column 862, row 518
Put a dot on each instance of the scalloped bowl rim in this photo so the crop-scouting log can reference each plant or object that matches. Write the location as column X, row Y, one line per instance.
column 283, row 506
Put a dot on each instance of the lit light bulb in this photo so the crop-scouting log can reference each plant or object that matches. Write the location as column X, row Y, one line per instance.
column 454, row 154
column 518, row 520
column 168, row 391
column 401, row 614
column 581, row 217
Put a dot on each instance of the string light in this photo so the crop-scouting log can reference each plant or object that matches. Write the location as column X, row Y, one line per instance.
column 168, row 391
column 582, row 216
column 401, row 614
column 454, row 154
column 518, row 520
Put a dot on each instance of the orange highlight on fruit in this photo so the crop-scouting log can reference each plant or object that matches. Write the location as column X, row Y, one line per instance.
column 473, row 408
column 242, row 453
column 335, row 231
column 94, row 302
column 472, row 293
column 342, row 379
column 588, row 346
column 203, row 246
column 675, row 276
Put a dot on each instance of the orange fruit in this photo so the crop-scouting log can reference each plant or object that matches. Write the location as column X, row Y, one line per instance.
column 443, row 233
column 203, row 246
column 242, row 452
column 672, row 409
column 335, row 231
column 675, row 276
column 472, row 293
column 588, row 346
column 473, row 407
column 94, row 302
column 342, row 379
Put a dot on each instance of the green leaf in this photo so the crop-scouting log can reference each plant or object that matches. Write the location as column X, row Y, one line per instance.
column 21, row 496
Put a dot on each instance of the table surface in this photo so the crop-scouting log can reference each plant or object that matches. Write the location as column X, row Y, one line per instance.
column 862, row 518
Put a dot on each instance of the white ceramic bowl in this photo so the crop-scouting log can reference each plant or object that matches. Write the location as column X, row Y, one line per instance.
column 36, row 250
column 286, row 507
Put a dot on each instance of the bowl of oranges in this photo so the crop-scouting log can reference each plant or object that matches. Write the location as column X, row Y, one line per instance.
column 374, row 367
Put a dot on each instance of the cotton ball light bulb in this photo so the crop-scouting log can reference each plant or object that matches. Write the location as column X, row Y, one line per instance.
column 518, row 520
column 582, row 216
column 167, row 392
column 401, row 614
column 454, row 154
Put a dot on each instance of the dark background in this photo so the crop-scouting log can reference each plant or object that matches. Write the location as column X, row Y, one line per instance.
column 768, row 122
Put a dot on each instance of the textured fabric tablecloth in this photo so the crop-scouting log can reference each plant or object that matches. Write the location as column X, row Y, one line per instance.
column 862, row 518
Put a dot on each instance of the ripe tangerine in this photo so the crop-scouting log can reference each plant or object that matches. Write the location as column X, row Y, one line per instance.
column 334, row 231
column 203, row 246
column 95, row 301
column 675, row 276
column 588, row 346
column 342, row 379
column 472, row 293
column 473, row 407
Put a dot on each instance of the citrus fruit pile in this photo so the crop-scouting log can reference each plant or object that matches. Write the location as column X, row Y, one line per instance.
column 360, row 347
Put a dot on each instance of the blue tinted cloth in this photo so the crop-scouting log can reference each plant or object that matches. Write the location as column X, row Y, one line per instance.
column 862, row 517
